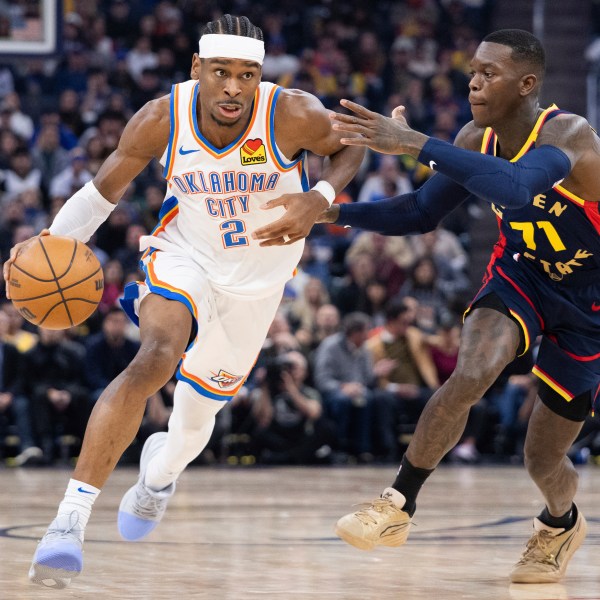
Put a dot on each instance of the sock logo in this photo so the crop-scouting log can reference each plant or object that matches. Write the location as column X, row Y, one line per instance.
column 253, row 152
column 80, row 489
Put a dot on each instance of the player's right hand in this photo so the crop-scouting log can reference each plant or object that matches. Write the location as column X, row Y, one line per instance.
column 14, row 251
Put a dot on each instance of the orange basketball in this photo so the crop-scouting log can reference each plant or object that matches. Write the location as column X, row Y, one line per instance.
column 56, row 282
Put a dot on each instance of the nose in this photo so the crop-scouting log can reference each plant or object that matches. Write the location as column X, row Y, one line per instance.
column 232, row 88
column 475, row 83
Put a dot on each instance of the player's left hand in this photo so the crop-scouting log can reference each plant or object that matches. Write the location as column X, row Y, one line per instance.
column 301, row 212
column 382, row 134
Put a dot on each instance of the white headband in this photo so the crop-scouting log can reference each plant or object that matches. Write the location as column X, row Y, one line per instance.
column 214, row 45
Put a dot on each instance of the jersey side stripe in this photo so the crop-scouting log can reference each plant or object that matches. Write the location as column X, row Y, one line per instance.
column 561, row 391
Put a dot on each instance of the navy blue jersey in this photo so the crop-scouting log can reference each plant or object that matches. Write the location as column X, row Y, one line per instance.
column 557, row 231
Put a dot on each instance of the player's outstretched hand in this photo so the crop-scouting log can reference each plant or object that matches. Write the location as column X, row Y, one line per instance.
column 13, row 255
column 382, row 134
column 301, row 212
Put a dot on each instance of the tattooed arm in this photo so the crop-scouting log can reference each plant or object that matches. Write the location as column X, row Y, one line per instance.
column 575, row 137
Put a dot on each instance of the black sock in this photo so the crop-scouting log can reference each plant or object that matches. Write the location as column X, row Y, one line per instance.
column 409, row 481
column 566, row 521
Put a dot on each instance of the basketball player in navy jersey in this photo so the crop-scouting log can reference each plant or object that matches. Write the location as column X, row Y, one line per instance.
column 230, row 235
column 538, row 168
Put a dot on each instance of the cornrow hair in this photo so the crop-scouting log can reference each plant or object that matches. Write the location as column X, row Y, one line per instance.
column 230, row 25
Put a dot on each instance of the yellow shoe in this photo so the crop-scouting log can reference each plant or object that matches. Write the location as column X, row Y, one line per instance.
column 549, row 551
column 379, row 523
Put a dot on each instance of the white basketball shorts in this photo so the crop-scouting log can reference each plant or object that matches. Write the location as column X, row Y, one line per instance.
column 230, row 330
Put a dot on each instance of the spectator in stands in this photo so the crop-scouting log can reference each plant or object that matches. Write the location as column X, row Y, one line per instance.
column 57, row 393
column 15, row 410
column 303, row 309
column 9, row 142
column 344, row 376
column 48, row 156
column 22, row 339
column 278, row 62
column 404, row 367
column 129, row 255
column 291, row 428
column 388, row 171
column 113, row 286
column 18, row 122
column 422, row 284
column 384, row 251
column 21, row 175
column 350, row 294
column 108, row 352
column 75, row 176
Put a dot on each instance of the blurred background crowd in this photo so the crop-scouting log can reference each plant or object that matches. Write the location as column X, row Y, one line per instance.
column 367, row 330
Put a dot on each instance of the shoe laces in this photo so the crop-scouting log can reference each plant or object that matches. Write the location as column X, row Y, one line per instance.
column 371, row 511
column 147, row 505
column 538, row 549
column 54, row 531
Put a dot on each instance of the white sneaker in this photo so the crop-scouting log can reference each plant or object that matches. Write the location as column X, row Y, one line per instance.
column 141, row 508
column 379, row 523
column 58, row 556
column 549, row 551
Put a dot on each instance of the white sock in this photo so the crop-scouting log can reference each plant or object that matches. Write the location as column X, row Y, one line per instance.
column 79, row 496
column 190, row 427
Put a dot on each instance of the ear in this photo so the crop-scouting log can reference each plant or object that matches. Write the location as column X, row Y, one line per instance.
column 196, row 65
column 528, row 84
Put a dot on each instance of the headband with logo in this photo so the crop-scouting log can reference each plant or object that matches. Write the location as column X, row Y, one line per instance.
column 213, row 45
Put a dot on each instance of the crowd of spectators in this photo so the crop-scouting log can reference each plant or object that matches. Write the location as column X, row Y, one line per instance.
column 369, row 327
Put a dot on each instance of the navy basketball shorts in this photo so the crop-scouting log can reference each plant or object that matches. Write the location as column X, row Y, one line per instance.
column 568, row 319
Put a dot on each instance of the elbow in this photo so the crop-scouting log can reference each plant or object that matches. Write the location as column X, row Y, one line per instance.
column 521, row 197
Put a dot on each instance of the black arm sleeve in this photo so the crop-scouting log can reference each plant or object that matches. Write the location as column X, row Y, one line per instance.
column 417, row 212
column 497, row 180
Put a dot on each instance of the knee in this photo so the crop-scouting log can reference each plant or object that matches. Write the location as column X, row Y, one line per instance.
column 541, row 462
column 471, row 382
column 152, row 366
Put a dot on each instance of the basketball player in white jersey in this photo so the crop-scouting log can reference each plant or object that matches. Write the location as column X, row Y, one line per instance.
column 230, row 235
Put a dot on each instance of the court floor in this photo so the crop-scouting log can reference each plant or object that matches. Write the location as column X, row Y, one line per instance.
column 243, row 533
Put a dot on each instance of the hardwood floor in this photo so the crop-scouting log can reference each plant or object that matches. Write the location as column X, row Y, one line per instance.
column 243, row 533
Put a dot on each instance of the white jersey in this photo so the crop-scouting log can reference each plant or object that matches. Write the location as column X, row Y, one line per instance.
column 214, row 196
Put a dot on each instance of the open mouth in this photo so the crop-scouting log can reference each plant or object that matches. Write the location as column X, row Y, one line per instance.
column 230, row 111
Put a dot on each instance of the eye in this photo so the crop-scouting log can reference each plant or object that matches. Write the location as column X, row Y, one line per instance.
column 247, row 76
column 220, row 73
column 488, row 74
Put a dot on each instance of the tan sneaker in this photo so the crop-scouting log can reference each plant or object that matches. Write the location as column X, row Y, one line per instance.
column 379, row 523
column 549, row 551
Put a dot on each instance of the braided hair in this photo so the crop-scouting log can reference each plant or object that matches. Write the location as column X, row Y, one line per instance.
column 231, row 25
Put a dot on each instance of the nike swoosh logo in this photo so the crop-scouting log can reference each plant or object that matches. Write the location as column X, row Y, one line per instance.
column 432, row 164
column 184, row 152
column 595, row 307
column 80, row 489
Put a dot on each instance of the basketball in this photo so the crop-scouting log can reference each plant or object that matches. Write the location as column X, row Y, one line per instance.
column 56, row 282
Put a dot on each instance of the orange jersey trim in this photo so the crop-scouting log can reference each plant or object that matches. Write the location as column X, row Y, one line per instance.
column 158, row 283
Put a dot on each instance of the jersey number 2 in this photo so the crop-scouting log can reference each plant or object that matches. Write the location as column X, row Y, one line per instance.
column 232, row 231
